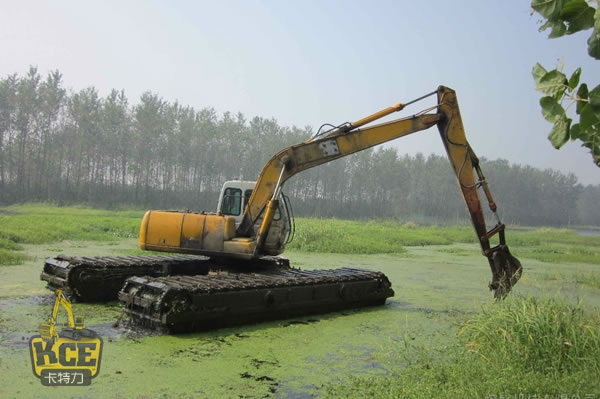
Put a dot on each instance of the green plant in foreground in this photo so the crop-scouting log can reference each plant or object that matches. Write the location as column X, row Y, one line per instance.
column 542, row 335
column 520, row 346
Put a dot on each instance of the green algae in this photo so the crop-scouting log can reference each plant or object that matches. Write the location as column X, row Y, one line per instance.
column 436, row 288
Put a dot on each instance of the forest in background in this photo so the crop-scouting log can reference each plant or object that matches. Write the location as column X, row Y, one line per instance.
column 70, row 147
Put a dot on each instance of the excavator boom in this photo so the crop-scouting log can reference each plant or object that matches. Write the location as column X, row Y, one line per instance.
column 340, row 143
column 350, row 138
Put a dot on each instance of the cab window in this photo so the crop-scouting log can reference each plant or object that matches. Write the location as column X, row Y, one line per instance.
column 232, row 202
column 247, row 195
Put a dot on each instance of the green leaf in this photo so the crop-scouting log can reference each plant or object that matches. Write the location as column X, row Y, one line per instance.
column 594, row 40
column 538, row 72
column 576, row 132
column 551, row 109
column 560, row 92
column 551, row 83
column 559, row 134
column 588, row 119
column 578, row 15
column 582, row 94
column 558, row 28
column 594, row 97
column 594, row 45
column 574, row 79
column 549, row 9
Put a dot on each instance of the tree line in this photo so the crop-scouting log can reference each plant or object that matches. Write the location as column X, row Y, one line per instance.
column 71, row 147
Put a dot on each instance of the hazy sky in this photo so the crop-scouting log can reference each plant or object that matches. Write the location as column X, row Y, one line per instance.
column 309, row 62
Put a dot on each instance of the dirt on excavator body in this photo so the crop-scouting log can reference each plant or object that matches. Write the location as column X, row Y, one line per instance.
column 191, row 293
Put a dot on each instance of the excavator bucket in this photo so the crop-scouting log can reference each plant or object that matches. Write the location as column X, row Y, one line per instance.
column 506, row 271
column 45, row 332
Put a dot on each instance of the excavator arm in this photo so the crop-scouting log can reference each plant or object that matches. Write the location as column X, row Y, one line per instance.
column 353, row 137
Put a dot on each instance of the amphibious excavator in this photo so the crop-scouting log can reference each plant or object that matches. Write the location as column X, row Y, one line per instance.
column 231, row 272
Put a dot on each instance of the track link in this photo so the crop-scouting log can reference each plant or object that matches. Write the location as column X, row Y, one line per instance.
column 200, row 302
column 99, row 279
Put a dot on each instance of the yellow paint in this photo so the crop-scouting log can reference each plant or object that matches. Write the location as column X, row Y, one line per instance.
column 143, row 230
column 185, row 232
column 193, row 227
column 72, row 353
column 378, row 115
column 242, row 246
column 164, row 229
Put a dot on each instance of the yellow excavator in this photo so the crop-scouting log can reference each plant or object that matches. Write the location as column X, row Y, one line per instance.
column 73, row 328
column 232, row 272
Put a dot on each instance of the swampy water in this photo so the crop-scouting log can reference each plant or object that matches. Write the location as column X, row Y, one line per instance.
column 436, row 287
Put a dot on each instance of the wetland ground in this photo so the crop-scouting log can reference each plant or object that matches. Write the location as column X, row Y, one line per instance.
column 439, row 286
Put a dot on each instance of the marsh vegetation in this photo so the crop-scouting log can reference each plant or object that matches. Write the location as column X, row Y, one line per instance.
column 440, row 336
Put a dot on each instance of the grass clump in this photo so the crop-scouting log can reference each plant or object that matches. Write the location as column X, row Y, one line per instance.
column 590, row 279
column 45, row 224
column 371, row 237
column 554, row 245
column 10, row 252
column 10, row 257
column 545, row 335
column 520, row 346
column 42, row 224
column 558, row 252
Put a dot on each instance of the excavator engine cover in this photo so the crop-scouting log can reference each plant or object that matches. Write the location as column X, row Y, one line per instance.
column 188, row 232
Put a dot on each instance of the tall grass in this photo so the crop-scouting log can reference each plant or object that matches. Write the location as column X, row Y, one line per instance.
column 555, row 245
column 545, row 335
column 38, row 224
column 578, row 277
column 371, row 237
column 559, row 252
column 41, row 223
column 520, row 346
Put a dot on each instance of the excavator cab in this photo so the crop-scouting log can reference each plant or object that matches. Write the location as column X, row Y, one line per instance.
column 79, row 323
column 234, row 198
column 235, row 195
